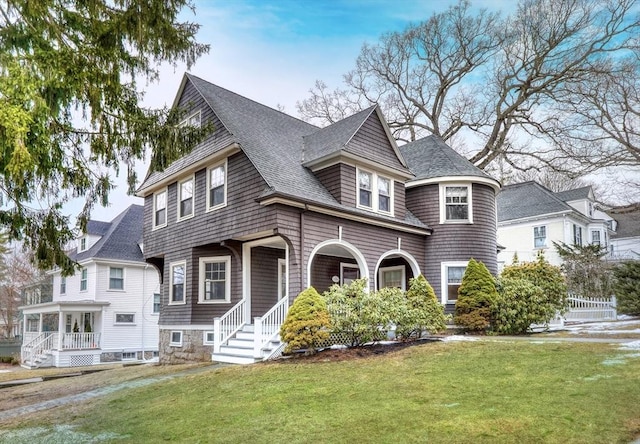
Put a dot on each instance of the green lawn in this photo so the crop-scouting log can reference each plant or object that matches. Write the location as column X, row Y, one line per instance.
column 472, row 392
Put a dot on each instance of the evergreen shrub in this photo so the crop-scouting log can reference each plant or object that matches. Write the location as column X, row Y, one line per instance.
column 476, row 296
column 519, row 304
column 627, row 287
column 307, row 322
column 420, row 311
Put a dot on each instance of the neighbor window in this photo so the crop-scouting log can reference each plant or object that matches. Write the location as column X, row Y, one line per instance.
column 349, row 273
column 176, row 339
column 595, row 237
column 375, row 192
column 176, row 286
column 455, row 203
column 83, row 280
column 452, row 273
column 392, row 277
column 125, row 318
column 215, row 282
column 539, row 237
column 577, row 235
column 192, row 120
column 116, row 278
column 157, row 302
column 185, row 197
column 63, row 284
column 216, row 184
column 160, row 209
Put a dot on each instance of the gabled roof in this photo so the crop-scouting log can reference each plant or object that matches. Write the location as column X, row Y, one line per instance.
column 119, row 240
column 576, row 194
column 97, row 227
column 431, row 158
column 628, row 221
column 528, row 199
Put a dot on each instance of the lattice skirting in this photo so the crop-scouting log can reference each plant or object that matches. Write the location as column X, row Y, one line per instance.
column 80, row 360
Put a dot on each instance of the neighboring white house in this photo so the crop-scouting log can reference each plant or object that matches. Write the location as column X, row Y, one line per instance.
column 107, row 311
column 532, row 217
column 625, row 242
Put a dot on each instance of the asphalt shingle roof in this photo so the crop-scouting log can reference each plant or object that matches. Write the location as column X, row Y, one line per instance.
column 119, row 239
column 576, row 194
column 431, row 157
column 628, row 219
column 527, row 199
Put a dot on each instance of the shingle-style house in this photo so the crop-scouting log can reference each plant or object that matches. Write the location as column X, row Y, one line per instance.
column 531, row 217
column 107, row 311
column 625, row 242
column 269, row 205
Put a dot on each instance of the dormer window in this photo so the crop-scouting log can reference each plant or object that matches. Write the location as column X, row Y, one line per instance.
column 375, row 192
column 185, row 197
column 455, row 203
column 83, row 244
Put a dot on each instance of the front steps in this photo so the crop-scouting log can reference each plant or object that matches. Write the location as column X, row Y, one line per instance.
column 42, row 360
column 239, row 348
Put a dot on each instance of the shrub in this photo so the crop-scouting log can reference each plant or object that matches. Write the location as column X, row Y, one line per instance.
column 519, row 304
column 476, row 296
column 546, row 276
column 587, row 274
column 420, row 311
column 627, row 287
column 307, row 322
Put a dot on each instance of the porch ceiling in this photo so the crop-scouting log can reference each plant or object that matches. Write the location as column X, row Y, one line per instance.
column 335, row 250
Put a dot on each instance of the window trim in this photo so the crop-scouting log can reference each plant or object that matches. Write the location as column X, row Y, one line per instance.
column 591, row 232
column 381, row 271
column 166, row 208
column 211, row 207
column 116, row 322
column 153, row 306
column 134, row 358
column 282, row 262
column 227, row 282
column 83, row 244
column 375, row 196
column 63, row 284
column 444, row 279
column 172, row 265
column 344, row 265
column 205, row 341
column 84, row 277
column 577, row 229
column 191, row 179
column 544, row 243
column 186, row 121
column 443, row 203
column 173, row 343
column 123, row 276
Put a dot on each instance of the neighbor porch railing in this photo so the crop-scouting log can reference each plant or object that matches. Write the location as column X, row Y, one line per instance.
column 591, row 309
column 267, row 327
column 228, row 324
column 80, row 341
column 44, row 342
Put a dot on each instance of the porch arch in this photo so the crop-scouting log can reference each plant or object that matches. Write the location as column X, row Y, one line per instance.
column 413, row 263
column 357, row 255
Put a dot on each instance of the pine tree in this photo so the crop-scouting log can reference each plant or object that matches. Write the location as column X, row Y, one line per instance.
column 627, row 287
column 476, row 296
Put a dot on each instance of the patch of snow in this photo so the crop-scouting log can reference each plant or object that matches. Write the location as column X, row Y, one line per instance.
column 6, row 371
column 633, row 345
column 454, row 338
column 596, row 377
column 56, row 434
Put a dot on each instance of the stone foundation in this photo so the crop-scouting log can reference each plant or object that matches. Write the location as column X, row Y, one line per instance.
column 117, row 356
column 192, row 349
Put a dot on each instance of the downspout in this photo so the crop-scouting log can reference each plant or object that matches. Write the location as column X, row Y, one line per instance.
column 302, row 255
column 144, row 289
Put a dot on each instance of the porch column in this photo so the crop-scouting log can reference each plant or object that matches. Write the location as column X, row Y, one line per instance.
column 39, row 323
column 60, row 329
column 24, row 326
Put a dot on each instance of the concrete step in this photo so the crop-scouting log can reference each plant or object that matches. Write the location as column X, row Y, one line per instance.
column 232, row 359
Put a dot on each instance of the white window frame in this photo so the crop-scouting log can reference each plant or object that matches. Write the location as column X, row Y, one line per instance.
column 443, row 203
column 83, row 244
column 153, row 307
column 180, row 216
column 544, row 238
column 109, row 286
column 375, row 197
column 205, row 337
column 282, row 280
column 84, row 279
column 227, row 282
column 592, row 232
column 173, row 265
column 344, row 265
column 129, row 358
column 577, row 229
column 63, row 284
column 116, row 322
column 381, row 271
column 191, row 120
column 173, row 343
column 210, row 206
column 444, row 278
column 166, row 208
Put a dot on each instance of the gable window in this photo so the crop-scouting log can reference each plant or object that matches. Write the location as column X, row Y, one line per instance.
column 125, row 318
column 392, row 277
column 216, row 184
column 455, row 203
column 192, row 120
column 185, row 197
column 83, row 244
column 540, row 237
column 215, row 282
column 451, row 273
column 116, row 278
column 83, row 280
column 176, row 285
column 63, row 284
column 176, row 339
column 595, row 237
column 157, row 302
column 375, row 192
column 160, row 209
column 349, row 273
column 577, row 235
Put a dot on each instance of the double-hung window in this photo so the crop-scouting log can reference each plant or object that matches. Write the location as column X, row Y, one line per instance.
column 83, row 244
column 375, row 192
column 116, row 278
column 217, row 186
column 452, row 273
column 185, row 197
column 577, row 235
column 595, row 237
column 157, row 303
column 63, row 284
column 455, row 203
column 215, row 282
column 160, row 209
column 540, row 237
column 177, row 276
column 83, row 280
column 392, row 277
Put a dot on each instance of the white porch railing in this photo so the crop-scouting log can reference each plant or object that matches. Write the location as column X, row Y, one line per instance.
column 228, row 324
column 591, row 309
column 80, row 341
column 44, row 342
column 267, row 327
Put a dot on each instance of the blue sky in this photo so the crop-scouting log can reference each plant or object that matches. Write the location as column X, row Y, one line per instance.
column 273, row 51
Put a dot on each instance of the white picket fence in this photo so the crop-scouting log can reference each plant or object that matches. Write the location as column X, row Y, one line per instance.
column 583, row 309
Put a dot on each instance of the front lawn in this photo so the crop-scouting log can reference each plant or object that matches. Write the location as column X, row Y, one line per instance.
column 484, row 391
